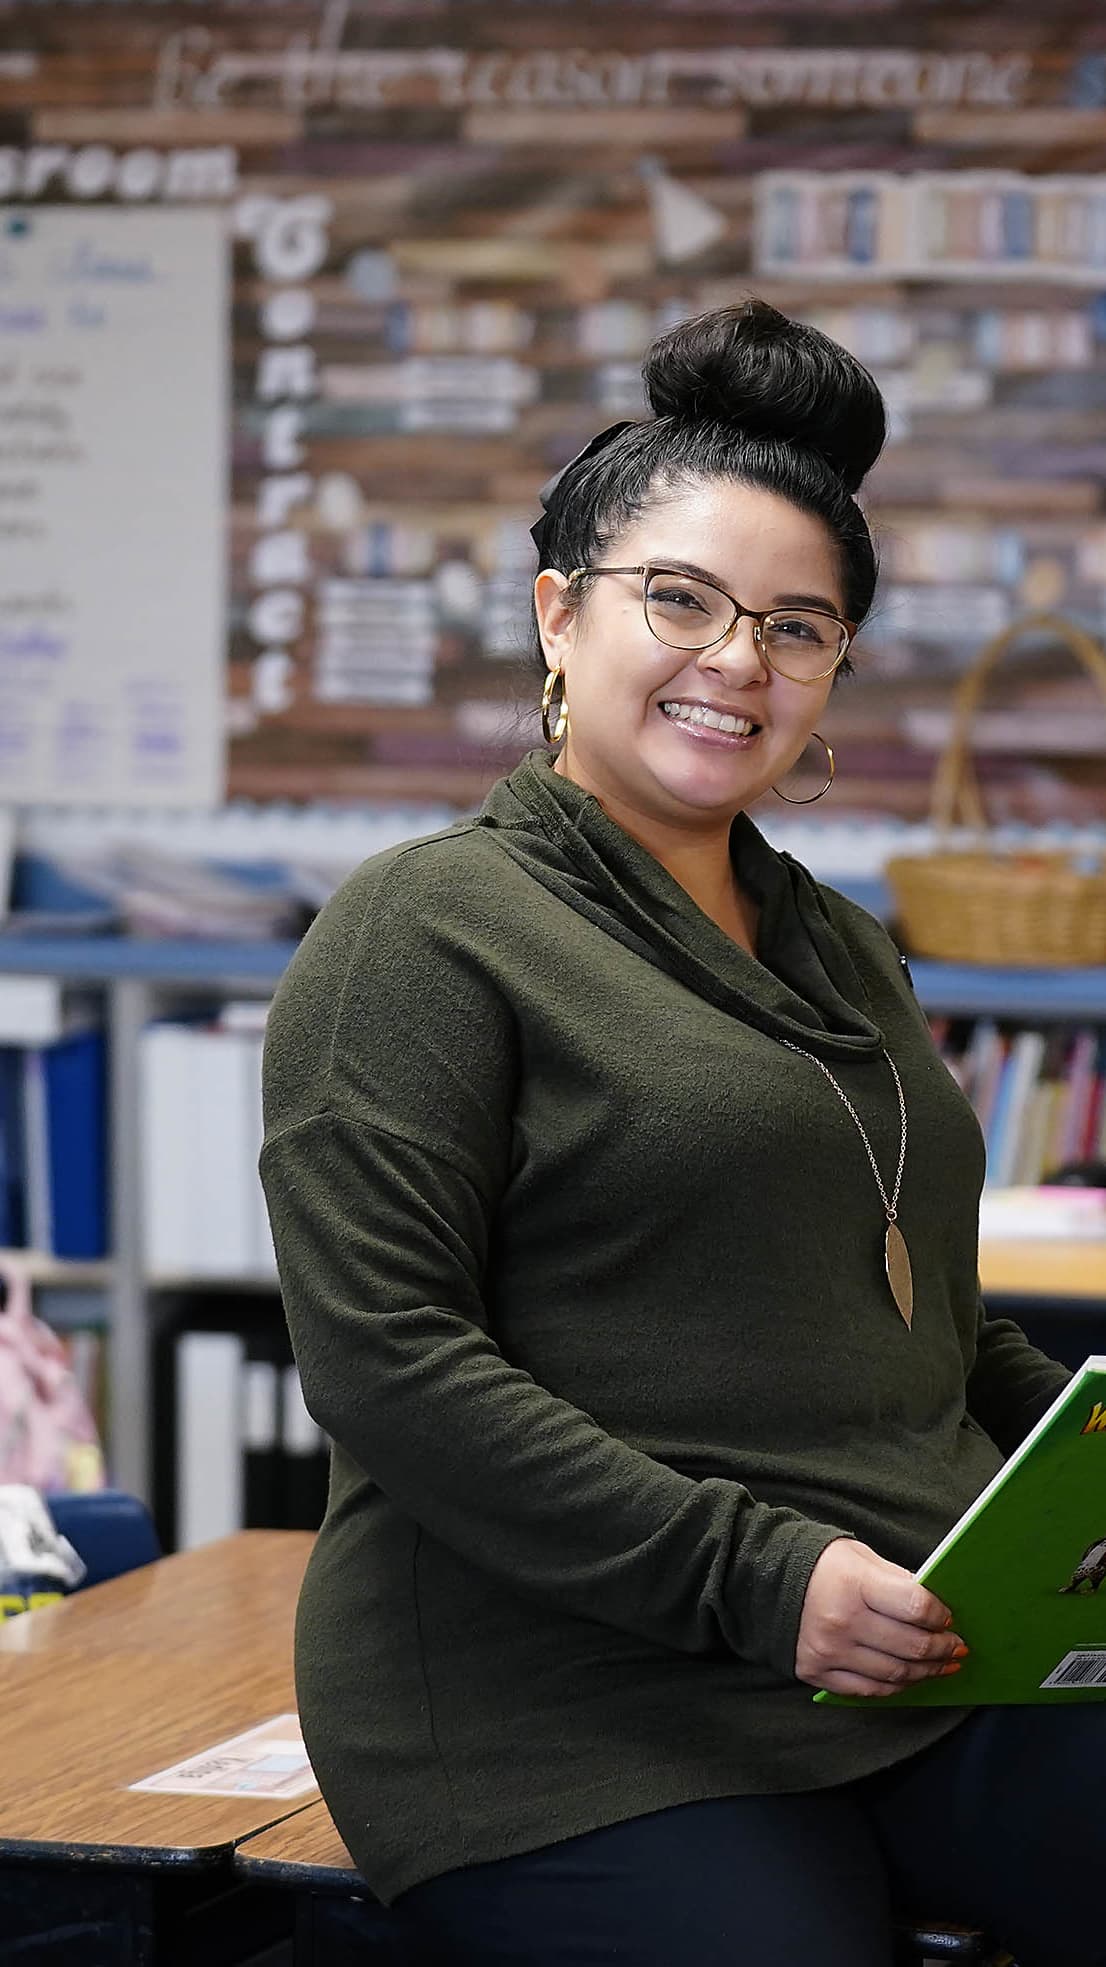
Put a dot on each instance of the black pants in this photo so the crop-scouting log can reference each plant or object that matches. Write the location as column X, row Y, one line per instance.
column 1000, row 1824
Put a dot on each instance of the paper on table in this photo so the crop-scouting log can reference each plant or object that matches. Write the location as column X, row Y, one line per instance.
column 269, row 1760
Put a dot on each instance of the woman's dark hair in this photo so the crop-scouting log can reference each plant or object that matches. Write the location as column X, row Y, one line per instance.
column 741, row 393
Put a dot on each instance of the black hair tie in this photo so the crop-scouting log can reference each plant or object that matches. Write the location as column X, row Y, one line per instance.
column 548, row 492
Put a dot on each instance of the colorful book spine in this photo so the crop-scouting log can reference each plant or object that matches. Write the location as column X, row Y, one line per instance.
column 1019, row 1077
column 1081, row 1080
column 65, row 1155
column 12, row 1227
column 885, row 224
column 1038, row 1094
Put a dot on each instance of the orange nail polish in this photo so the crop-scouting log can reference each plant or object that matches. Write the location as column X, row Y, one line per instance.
column 961, row 1652
column 950, row 1668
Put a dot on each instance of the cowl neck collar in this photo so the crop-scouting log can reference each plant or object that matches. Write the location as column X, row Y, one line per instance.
column 802, row 983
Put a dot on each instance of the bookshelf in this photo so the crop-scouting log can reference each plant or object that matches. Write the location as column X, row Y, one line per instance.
column 140, row 979
column 1032, row 996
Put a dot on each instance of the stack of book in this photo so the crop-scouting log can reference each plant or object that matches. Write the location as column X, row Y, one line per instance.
column 203, row 1209
column 238, row 1448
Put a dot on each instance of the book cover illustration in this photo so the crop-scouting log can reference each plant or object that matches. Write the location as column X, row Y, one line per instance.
column 1024, row 1570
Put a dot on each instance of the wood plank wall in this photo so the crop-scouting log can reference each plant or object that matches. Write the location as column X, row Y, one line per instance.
column 508, row 201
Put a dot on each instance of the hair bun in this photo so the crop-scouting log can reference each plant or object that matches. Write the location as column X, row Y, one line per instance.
column 772, row 377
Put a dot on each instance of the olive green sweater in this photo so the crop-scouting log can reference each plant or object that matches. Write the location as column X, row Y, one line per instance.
column 583, row 1270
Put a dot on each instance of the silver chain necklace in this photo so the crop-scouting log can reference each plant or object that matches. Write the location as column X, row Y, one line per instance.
column 896, row 1256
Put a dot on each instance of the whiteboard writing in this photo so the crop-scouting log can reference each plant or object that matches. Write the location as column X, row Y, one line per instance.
column 112, row 500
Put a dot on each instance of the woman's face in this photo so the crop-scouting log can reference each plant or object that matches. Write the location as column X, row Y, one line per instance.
column 622, row 744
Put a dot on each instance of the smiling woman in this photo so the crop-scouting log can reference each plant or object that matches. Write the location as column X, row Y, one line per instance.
column 628, row 1232
column 702, row 577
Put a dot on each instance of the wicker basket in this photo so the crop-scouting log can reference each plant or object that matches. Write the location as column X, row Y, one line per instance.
column 1014, row 908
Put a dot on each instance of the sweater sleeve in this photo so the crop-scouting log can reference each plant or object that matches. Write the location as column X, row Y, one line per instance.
column 382, row 1203
column 1011, row 1383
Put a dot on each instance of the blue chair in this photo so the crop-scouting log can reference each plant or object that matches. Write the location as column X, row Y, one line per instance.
column 110, row 1531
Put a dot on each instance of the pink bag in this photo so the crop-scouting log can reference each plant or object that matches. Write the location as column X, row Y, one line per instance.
column 47, row 1435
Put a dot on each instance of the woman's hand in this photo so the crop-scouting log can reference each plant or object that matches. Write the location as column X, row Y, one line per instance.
column 869, row 1627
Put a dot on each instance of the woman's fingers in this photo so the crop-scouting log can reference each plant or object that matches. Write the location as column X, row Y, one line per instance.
column 914, row 1645
column 863, row 1616
column 874, row 1673
column 889, row 1590
column 888, row 1671
column 875, row 1686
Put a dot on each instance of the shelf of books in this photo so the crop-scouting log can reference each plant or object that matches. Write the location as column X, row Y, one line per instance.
column 130, row 1129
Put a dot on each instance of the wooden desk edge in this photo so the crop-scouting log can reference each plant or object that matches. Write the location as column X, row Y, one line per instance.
column 117, row 1857
column 332, row 1870
column 122, row 1857
column 129, row 1857
column 301, row 1875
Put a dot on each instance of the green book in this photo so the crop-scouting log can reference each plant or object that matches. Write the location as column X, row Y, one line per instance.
column 1024, row 1570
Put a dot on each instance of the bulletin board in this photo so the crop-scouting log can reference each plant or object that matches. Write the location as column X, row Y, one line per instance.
column 454, row 227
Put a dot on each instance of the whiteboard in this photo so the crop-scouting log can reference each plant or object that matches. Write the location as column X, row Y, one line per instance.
column 114, row 380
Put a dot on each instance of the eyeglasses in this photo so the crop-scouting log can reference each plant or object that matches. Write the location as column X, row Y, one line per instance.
column 683, row 612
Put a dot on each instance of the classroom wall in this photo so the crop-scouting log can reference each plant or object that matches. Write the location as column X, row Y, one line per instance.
column 455, row 227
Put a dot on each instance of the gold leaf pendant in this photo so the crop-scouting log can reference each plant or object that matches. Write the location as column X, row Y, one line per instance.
column 897, row 1259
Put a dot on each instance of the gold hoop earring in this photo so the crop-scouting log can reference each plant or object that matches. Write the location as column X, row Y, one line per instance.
column 814, row 795
column 555, row 735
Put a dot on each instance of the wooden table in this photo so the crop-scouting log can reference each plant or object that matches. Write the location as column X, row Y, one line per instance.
column 109, row 1687
column 304, row 1850
column 1056, row 1292
column 1044, row 1269
column 337, row 1919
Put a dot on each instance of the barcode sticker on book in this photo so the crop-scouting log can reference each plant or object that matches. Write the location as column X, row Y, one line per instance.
column 1086, row 1667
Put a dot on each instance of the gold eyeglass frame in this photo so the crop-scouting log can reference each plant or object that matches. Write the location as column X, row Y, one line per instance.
column 758, row 616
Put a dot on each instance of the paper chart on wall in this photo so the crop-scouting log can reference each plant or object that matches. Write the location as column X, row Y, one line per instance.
column 113, row 470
